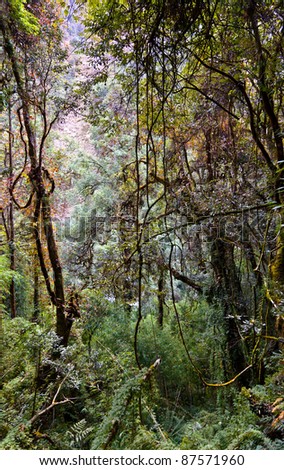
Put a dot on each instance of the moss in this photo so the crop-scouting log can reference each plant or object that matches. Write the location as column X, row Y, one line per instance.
column 277, row 265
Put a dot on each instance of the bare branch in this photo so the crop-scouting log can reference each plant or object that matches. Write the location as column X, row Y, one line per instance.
column 53, row 403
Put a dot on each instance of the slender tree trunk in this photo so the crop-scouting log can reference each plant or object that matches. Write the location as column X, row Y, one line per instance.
column 11, row 219
column 12, row 263
column 161, row 297
column 209, row 163
column 35, row 316
column 2, row 367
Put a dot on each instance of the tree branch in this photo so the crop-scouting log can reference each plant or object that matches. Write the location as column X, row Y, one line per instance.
column 181, row 277
column 53, row 403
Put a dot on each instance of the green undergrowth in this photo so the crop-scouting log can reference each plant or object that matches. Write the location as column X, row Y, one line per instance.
column 109, row 403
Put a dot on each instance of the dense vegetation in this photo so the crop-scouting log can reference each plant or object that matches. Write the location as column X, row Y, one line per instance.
column 141, row 231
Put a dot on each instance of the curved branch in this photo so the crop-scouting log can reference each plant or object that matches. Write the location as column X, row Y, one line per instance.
column 11, row 190
column 241, row 88
column 209, row 98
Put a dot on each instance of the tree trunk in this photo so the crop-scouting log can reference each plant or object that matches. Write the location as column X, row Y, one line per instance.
column 11, row 219
column 228, row 292
column 62, row 325
column 35, row 316
column 161, row 297
column 277, row 287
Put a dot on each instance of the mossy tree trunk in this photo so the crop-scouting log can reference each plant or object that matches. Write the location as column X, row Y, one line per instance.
column 228, row 291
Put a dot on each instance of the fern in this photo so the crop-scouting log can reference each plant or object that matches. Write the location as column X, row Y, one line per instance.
column 173, row 424
column 109, row 427
column 251, row 439
column 145, row 439
column 79, row 434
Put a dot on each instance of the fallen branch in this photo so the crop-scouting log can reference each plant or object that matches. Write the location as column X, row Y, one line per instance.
column 53, row 403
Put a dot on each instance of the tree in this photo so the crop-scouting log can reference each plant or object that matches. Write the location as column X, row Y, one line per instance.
column 32, row 45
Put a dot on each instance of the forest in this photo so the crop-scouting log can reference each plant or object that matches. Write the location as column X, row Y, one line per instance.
column 142, row 224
